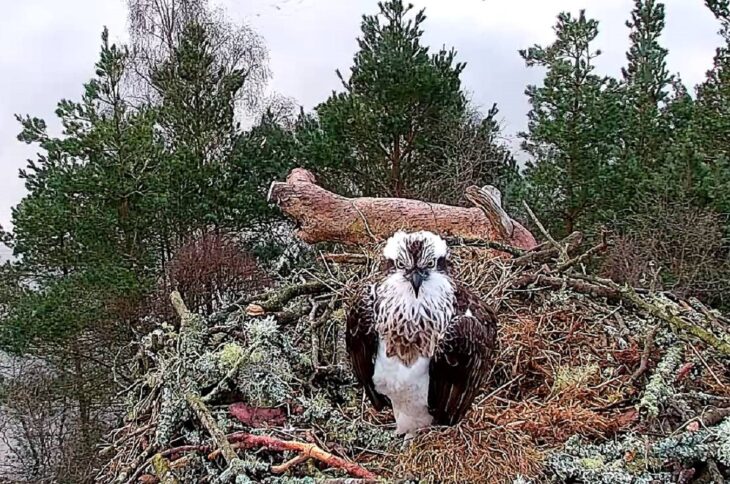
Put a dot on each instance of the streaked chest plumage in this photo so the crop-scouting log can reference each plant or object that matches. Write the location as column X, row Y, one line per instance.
column 411, row 326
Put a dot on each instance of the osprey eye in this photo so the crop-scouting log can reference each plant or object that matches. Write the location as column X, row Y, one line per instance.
column 399, row 264
column 431, row 264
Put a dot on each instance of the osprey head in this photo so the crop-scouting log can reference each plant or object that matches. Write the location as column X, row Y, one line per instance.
column 416, row 256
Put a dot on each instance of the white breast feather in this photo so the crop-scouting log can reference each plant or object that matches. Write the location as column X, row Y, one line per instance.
column 407, row 388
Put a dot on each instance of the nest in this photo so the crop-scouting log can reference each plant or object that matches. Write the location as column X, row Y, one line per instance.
column 592, row 382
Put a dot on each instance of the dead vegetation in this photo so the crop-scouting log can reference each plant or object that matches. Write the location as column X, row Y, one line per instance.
column 594, row 382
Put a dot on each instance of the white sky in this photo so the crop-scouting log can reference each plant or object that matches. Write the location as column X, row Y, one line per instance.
column 48, row 49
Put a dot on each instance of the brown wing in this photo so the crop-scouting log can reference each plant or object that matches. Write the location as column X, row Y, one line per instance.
column 362, row 343
column 461, row 362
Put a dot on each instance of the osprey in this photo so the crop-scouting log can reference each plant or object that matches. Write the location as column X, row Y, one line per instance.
column 418, row 340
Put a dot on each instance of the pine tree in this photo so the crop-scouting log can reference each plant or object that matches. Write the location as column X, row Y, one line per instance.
column 647, row 82
column 84, row 230
column 712, row 120
column 196, row 116
column 643, row 158
column 266, row 152
column 647, row 69
column 82, row 238
column 572, row 128
column 384, row 134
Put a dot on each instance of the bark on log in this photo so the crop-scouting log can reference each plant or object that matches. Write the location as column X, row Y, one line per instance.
column 323, row 216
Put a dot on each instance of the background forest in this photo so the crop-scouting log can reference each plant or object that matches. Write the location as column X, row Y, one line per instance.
column 160, row 177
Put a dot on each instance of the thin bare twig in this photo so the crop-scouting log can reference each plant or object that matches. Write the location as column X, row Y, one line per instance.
column 543, row 230
column 285, row 466
column 579, row 259
column 645, row 354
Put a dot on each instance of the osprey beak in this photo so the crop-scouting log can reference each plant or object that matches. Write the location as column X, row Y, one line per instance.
column 416, row 278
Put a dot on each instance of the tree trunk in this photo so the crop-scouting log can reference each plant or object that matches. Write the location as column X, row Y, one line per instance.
column 323, row 216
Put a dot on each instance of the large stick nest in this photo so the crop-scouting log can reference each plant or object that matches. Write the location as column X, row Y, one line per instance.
column 593, row 382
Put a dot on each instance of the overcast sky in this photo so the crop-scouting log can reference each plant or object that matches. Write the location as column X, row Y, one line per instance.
column 48, row 49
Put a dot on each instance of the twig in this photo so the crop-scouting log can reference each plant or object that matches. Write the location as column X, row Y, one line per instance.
column 709, row 369
column 278, row 299
column 488, row 244
column 365, row 222
column 224, row 381
column 182, row 462
column 184, row 449
column 577, row 285
column 346, row 258
column 295, row 461
column 243, row 440
column 314, row 327
column 585, row 255
column 137, row 466
column 646, row 354
column 560, row 248
column 270, row 301
column 714, row 416
column 209, row 423
column 546, row 252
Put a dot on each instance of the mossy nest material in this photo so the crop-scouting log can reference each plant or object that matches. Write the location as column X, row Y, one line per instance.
column 567, row 397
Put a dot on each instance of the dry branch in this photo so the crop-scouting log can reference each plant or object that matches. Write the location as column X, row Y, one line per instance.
column 346, row 258
column 487, row 244
column 323, row 216
column 546, row 252
column 271, row 301
column 209, row 423
column 560, row 248
column 554, row 282
column 243, row 440
column 646, row 354
column 603, row 245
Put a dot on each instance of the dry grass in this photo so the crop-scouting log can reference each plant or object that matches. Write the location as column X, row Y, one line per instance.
column 471, row 452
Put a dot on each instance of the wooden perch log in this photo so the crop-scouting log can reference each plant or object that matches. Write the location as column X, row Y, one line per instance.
column 489, row 200
column 323, row 216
